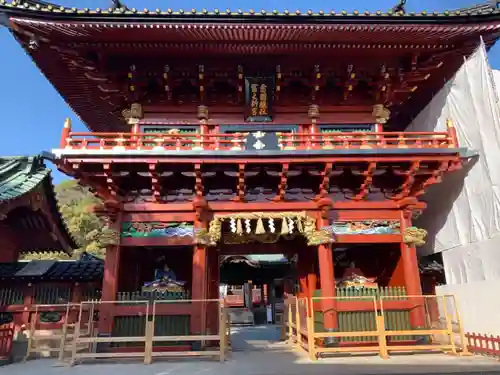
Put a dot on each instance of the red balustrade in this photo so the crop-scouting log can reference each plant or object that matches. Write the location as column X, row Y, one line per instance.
column 484, row 344
column 6, row 337
column 365, row 140
column 154, row 141
column 236, row 141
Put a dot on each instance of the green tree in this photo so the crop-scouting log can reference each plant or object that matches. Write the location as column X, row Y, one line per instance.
column 90, row 231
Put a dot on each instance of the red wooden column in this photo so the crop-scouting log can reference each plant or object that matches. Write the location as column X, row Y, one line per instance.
column 326, row 275
column 198, row 285
column 312, row 277
column 110, row 280
column 213, row 290
column 412, row 277
column 199, row 273
column 303, row 270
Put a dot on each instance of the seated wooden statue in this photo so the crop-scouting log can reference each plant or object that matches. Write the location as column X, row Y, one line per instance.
column 354, row 278
column 165, row 281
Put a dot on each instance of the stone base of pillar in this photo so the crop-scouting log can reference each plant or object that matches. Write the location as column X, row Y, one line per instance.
column 331, row 342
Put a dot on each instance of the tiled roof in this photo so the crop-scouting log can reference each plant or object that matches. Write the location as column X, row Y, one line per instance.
column 20, row 175
column 60, row 271
column 44, row 8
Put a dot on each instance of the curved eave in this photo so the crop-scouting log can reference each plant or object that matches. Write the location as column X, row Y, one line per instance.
column 52, row 12
column 212, row 34
column 32, row 176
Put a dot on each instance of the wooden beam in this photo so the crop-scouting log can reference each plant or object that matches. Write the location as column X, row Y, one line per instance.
column 110, row 181
column 240, row 189
column 364, row 190
column 238, row 159
column 435, row 178
column 198, row 187
column 351, row 81
column 280, row 196
column 408, row 183
column 340, row 215
column 155, row 182
column 324, row 188
column 157, row 241
column 94, row 187
column 267, row 206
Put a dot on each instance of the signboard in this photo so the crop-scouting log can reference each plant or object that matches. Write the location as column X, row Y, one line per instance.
column 258, row 99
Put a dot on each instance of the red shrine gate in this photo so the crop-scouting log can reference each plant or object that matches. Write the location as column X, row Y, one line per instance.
column 198, row 151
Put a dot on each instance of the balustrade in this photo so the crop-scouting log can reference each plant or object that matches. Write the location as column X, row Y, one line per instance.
column 237, row 141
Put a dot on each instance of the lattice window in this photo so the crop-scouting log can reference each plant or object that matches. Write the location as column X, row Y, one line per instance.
column 185, row 130
column 346, row 128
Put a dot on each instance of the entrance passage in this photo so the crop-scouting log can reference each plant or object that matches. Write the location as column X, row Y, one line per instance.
column 261, row 337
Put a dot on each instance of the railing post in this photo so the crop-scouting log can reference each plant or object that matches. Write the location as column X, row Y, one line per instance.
column 222, row 332
column 297, row 324
column 452, row 134
column 65, row 135
column 449, row 326
column 402, row 141
column 134, row 138
column 382, row 338
column 311, row 340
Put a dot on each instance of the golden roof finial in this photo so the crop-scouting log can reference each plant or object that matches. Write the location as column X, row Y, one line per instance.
column 67, row 123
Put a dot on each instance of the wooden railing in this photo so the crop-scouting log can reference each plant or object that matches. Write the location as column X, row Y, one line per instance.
column 6, row 337
column 365, row 140
column 152, row 296
column 237, row 141
column 484, row 344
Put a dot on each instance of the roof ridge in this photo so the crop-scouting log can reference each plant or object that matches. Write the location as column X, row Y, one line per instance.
column 45, row 8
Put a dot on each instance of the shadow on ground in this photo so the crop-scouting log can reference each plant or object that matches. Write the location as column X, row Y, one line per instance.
column 258, row 352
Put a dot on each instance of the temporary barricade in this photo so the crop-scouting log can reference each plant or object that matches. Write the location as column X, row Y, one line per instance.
column 161, row 324
column 6, row 337
column 51, row 328
column 206, row 333
column 430, row 323
column 381, row 324
column 484, row 344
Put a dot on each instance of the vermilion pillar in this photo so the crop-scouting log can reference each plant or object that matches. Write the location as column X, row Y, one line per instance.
column 409, row 263
column 110, row 281
column 302, row 270
column 305, row 269
column 213, row 290
column 199, row 285
column 327, row 281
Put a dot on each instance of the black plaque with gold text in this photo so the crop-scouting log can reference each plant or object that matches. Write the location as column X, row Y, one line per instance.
column 258, row 99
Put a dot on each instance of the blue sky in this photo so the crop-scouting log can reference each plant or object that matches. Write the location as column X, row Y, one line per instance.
column 33, row 113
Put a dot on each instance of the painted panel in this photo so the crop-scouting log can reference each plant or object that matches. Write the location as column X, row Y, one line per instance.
column 156, row 229
column 364, row 227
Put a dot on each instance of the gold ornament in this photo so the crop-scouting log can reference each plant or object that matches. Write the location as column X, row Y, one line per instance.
column 306, row 226
column 414, row 236
column 381, row 113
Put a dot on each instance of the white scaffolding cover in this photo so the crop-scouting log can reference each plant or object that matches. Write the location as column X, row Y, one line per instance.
column 463, row 214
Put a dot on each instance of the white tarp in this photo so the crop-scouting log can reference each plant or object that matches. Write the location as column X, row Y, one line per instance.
column 463, row 215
